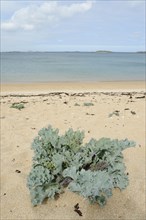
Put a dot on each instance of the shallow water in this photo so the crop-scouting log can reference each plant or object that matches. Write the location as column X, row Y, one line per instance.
column 71, row 66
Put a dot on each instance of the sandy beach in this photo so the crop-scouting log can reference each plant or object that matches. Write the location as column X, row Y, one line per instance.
column 69, row 86
column 62, row 106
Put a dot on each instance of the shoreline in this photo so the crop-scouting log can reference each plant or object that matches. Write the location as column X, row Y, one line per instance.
column 47, row 87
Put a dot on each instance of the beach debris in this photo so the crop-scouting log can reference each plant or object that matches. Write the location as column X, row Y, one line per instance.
column 76, row 104
column 84, row 94
column 126, row 109
column 13, row 160
column 76, row 206
column 130, row 97
column 17, row 105
column 17, row 171
column 102, row 165
column 116, row 112
column 33, row 128
column 140, row 97
column 88, row 104
column 3, row 117
column 4, row 194
column 65, row 182
column 90, row 114
column 65, row 102
column 24, row 102
column 79, row 94
column 77, row 209
column 133, row 112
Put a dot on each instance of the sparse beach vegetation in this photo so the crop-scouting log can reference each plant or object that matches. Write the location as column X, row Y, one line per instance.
column 88, row 104
column 92, row 171
column 18, row 106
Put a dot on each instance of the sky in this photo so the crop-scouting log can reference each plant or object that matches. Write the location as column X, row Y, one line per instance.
column 68, row 25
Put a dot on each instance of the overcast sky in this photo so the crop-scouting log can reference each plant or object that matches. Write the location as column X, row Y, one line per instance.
column 73, row 25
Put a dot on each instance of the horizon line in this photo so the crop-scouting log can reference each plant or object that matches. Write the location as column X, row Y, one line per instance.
column 67, row 51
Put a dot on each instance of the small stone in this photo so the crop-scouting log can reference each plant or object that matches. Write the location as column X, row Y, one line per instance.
column 133, row 112
column 17, row 171
column 3, row 117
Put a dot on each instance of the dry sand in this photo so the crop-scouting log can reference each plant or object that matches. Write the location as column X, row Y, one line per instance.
column 69, row 86
column 44, row 106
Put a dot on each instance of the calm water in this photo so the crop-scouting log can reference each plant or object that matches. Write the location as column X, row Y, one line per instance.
column 71, row 66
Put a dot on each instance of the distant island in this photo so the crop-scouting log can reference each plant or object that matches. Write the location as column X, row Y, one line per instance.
column 141, row 51
column 103, row 51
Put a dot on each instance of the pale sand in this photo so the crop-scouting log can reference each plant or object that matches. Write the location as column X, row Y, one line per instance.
column 69, row 86
column 18, row 128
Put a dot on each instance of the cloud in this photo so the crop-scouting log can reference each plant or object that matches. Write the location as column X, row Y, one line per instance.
column 36, row 16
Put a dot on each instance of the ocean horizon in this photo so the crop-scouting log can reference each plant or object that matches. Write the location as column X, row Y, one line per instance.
column 72, row 66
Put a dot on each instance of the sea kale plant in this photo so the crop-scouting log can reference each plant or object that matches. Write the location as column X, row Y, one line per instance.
column 92, row 170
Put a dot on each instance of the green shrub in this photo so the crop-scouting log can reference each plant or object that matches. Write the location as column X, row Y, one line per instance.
column 88, row 104
column 18, row 106
column 92, row 170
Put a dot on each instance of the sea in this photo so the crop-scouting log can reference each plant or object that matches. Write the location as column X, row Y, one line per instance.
column 35, row 67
